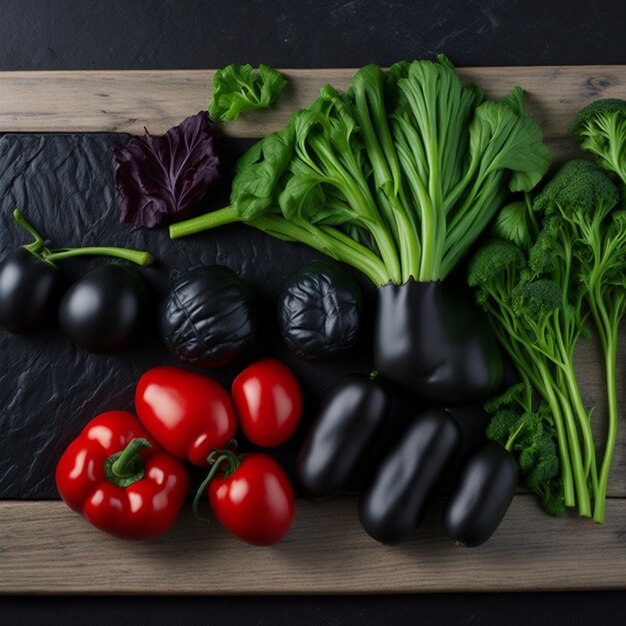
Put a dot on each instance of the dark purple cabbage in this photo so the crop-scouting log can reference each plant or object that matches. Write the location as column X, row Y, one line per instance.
column 160, row 178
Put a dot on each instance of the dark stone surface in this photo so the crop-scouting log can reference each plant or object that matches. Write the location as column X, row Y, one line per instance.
column 50, row 388
column 141, row 34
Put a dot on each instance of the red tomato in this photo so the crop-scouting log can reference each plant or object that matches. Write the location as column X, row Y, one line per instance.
column 187, row 413
column 269, row 402
column 255, row 502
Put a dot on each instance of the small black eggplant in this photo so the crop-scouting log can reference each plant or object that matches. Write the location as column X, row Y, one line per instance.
column 102, row 311
column 433, row 344
column 482, row 496
column 208, row 317
column 31, row 284
column 393, row 506
column 30, row 290
column 319, row 312
column 352, row 414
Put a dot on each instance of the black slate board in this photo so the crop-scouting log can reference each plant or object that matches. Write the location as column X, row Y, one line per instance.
column 49, row 388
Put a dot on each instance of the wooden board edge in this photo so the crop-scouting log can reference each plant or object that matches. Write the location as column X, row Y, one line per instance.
column 48, row 549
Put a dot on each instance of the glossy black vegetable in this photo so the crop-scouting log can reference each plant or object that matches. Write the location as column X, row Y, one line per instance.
column 393, row 505
column 482, row 496
column 351, row 415
column 30, row 290
column 319, row 312
column 102, row 311
column 208, row 318
column 433, row 344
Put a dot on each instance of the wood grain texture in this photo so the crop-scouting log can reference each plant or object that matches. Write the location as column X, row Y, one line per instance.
column 126, row 101
column 45, row 548
column 48, row 549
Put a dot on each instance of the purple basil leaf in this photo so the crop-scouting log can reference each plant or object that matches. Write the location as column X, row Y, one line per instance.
column 160, row 178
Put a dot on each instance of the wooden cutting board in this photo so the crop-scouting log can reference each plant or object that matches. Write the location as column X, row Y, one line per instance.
column 45, row 548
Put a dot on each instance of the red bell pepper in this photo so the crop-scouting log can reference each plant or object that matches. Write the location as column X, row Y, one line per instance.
column 120, row 479
column 189, row 414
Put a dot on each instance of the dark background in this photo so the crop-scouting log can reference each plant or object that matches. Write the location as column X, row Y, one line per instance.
column 135, row 34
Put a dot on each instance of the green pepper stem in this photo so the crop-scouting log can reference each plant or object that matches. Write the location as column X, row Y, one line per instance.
column 126, row 467
column 233, row 464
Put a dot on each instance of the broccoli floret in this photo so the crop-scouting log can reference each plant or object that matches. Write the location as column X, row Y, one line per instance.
column 529, row 436
column 541, row 255
column 503, row 424
column 492, row 262
column 601, row 129
column 511, row 397
column 578, row 191
column 537, row 299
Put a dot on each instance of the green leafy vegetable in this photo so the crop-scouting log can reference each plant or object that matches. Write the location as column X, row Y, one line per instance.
column 601, row 129
column 558, row 265
column 239, row 88
column 397, row 176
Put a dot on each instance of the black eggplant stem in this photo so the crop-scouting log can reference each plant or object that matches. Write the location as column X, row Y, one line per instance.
column 39, row 247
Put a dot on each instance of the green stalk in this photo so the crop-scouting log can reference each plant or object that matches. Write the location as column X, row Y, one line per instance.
column 581, row 413
column 334, row 245
column 134, row 256
column 227, row 215
column 609, row 341
column 39, row 248
column 540, row 378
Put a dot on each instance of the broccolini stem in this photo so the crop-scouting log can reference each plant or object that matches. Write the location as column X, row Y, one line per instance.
column 531, row 365
column 547, row 391
column 610, row 357
column 579, row 410
column 580, row 480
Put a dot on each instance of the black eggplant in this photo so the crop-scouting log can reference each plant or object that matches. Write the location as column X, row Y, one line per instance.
column 433, row 344
column 352, row 414
column 392, row 507
column 102, row 312
column 208, row 318
column 31, row 284
column 319, row 311
column 482, row 496
column 30, row 290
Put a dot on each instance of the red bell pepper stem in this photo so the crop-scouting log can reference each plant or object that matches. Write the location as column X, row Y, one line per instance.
column 126, row 467
column 233, row 464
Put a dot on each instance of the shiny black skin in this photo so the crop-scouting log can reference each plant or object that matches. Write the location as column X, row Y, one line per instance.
column 208, row 318
column 102, row 312
column 319, row 312
column 482, row 496
column 433, row 344
column 392, row 507
column 30, row 290
column 352, row 414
